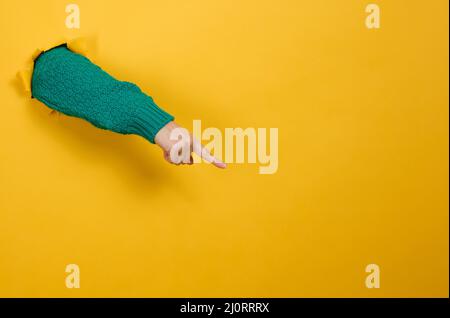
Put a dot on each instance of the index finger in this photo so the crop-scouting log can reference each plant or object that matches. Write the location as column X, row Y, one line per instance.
column 205, row 154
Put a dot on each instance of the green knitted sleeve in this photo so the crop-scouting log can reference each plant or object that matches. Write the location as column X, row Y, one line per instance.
column 71, row 84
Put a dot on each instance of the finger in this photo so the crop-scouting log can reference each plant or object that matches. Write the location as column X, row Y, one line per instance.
column 168, row 159
column 180, row 152
column 167, row 156
column 205, row 154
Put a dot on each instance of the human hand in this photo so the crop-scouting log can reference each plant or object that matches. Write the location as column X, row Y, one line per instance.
column 178, row 144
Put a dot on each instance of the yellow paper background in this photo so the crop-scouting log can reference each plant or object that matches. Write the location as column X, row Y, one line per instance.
column 363, row 161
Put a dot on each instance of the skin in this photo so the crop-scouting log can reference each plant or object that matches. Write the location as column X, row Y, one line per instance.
column 163, row 140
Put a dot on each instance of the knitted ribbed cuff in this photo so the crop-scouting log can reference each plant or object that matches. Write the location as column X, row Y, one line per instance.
column 149, row 120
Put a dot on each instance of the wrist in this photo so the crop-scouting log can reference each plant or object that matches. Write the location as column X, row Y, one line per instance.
column 162, row 137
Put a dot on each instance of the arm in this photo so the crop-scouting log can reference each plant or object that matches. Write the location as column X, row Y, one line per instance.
column 71, row 84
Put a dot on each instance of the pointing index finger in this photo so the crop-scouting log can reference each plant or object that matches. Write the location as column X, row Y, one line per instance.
column 205, row 154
